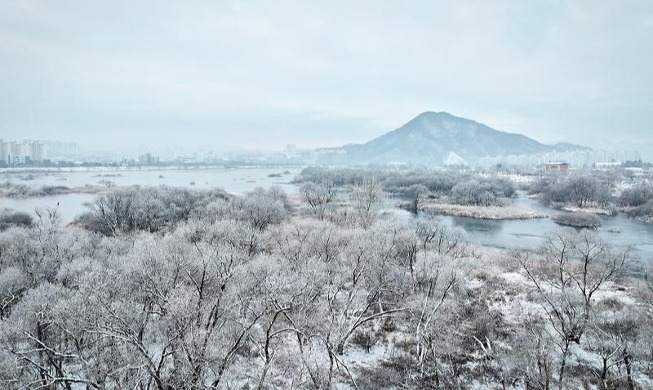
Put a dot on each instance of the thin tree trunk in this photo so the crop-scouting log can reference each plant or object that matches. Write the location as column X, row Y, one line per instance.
column 563, row 364
column 629, row 374
column 604, row 374
column 263, row 374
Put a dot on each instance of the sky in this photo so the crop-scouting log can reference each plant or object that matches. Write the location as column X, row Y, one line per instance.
column 262, row 74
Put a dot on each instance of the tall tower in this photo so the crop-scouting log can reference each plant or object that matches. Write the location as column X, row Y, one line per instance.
column 37, row 151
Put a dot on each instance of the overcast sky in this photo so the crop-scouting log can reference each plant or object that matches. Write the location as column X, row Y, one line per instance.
column 323, row 73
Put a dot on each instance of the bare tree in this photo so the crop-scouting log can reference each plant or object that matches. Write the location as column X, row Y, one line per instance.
column 435, row 236
column 319, row 197
column 571, row 268
column 436, row 277
column 614, row 340
column 367, row 198
column 416, row 194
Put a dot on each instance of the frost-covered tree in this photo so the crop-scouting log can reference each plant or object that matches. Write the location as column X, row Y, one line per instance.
column 319, row 197
column 367, row 199
column 566, row 276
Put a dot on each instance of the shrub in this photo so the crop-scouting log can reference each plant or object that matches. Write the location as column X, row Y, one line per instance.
column 53, row 190
column 487, row 192
column 19, row 190
column 636, row 196
column 644, row 211
column 578, row 190
column 148, row 209
column 579, row 220
column 9, row 218
column 364, row 338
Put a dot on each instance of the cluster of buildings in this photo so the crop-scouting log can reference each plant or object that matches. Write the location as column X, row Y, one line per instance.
column 148, row 159
column 22, row 152
column 30, row 152
column 63, row 151
column 576, row 158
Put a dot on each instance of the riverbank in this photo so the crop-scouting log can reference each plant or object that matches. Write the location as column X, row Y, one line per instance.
column 144, row 168
column 483, row 212
column 646, row 219
column 589, row 210
column 20, row 191
column 643, row 213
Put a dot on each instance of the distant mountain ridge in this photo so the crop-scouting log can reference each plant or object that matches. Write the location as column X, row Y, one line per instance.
column 439, row 138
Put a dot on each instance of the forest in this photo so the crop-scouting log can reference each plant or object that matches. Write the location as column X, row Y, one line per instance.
column 174, row 288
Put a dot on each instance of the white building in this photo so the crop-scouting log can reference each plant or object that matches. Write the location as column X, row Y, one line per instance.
column 37, row 151
column 15, row 152
column 576, row 158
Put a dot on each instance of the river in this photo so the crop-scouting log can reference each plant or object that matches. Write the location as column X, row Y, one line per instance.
column 233, row 180
column 616, row 230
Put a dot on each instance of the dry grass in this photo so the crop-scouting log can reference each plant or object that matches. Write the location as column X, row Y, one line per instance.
column 484, row 212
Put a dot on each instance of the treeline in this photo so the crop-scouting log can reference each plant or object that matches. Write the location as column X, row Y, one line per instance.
column 12, row 218
column 607, row 190
column 164, row 288
column 416, row 185
column 638, row 201
column 581, row 190
column 15, row 190
column 148, row 209
column 585, row 190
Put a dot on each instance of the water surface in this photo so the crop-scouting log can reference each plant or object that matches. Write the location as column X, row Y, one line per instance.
column 233, row 180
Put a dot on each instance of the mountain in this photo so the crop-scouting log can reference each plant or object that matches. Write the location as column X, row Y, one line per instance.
column 439, row 138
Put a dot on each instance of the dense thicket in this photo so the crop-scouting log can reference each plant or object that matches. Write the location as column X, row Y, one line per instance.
column 643, row 212
column 605, row 190
column 9, row 218
column 578, row 219
column 17, row 190
column 457, row 187
column 395, row 182
column 636, row 196
column 149, row 209
column 161, row 288
column 482, row 192
column 581, row 190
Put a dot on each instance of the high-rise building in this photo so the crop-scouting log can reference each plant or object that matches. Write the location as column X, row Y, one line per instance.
column 37, row 151
column 147, row 159
column 58, row 150
column 15, row 153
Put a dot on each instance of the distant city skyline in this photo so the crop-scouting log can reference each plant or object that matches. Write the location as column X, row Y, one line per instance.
column 18, row 152
column 255, row 74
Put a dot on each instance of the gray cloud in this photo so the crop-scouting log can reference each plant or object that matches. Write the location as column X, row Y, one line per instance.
column 323, row 73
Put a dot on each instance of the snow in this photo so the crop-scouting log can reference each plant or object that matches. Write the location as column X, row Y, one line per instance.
column 454, row 159
column 515, row 278
column 358, row 356
column 591, row 210
column 612, row 291
column 474, row 283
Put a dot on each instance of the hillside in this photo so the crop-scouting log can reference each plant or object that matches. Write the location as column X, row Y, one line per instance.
column 441, row 138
